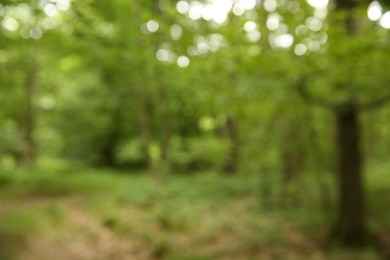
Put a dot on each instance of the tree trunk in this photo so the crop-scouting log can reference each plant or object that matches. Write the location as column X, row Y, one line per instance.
column 292, row 164
column 351, row 227
column 165, row 129
column 108, row 151
column 230, row 166
column 351, row 223
column 28, row 154
column 162, row 95
column 292, row 151
column 146, row 135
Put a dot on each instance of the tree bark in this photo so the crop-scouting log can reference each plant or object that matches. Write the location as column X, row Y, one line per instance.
column 110, row 142
column 163, row 101
column 351, row 227
column 143, row 92
column 230, row 166
column 351, row 223
column 165, row 129
column 146, row 135
column 28, row 153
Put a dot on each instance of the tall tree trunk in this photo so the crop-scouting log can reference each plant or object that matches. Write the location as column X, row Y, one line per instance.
column 165, row 129
column 143, row 90
column 162, row 95
column 230, row 166
column 111, row 140
column 351, row 224
column 28, row 152
column 146, row 135
column 231, row 126
column 351, row 227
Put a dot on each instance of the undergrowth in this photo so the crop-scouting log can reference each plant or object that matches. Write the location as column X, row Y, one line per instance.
column 201, row 216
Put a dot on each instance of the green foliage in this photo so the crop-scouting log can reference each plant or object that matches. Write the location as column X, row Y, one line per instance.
column 202, row 209
column 130, row 151
column 377, row 188
column 25, row 184
column 161, row 249
column 19, row 223
column 116, row 225
column 99, row 85
column 5, row 180
column 197, row 153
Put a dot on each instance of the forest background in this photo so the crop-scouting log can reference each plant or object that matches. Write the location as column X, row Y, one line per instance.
column 194, row 129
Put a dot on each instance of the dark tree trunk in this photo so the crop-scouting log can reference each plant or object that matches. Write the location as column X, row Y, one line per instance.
column 146, row 135
column 351, row 227
column 108, row 151
column 230, row 166
column 351, row 223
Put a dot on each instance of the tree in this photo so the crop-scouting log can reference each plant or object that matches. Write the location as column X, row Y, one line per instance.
column 347, row 103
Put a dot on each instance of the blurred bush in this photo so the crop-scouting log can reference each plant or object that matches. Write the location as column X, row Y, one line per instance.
column 198, row 153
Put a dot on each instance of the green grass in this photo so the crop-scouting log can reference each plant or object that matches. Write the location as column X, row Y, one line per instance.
column 14, row 228
column 200, row 216
column 26, row 184
column 378, row 194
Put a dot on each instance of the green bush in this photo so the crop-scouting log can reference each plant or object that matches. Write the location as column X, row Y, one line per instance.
column 5, row 180
column 198, row 153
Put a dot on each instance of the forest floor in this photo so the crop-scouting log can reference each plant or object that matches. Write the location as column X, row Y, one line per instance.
column 104, row 216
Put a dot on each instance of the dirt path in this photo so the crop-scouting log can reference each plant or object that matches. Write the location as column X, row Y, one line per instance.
column 81, row 237
column 83, row 234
